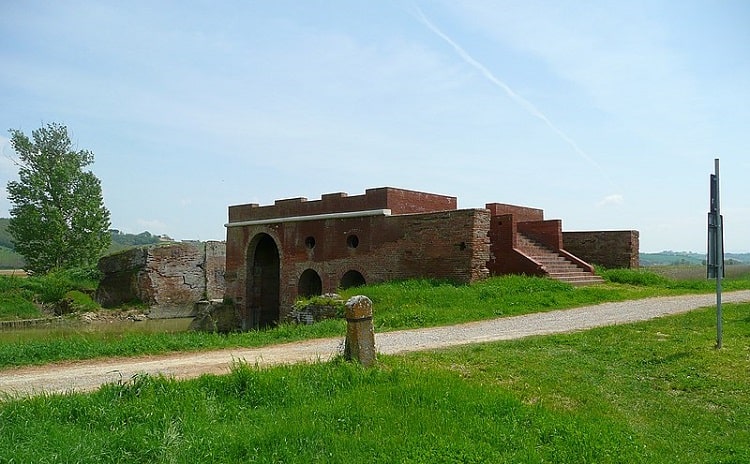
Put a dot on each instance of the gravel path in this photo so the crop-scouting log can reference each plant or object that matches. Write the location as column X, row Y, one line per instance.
column 90, row 375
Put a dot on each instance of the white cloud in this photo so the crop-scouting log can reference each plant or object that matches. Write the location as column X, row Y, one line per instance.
column 614, row 199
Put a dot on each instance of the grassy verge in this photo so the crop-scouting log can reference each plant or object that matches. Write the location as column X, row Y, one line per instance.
column 654, row 392
column 397, row 305
column 86, row 345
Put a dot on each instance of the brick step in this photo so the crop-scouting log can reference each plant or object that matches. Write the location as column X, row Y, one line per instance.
column 575, row 276
column 548, row 258
column 556, row 266
column 553, row 262
column 563, row 268
column 569, row 273
column 589, row 279
column 556, row 262
column 581, row 283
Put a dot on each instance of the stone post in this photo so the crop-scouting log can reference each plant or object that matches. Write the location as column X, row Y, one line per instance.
column 360, row 335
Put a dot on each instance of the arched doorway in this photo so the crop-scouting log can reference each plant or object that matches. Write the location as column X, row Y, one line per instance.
column 262, row 282
column 352, row 279
column 309, row 284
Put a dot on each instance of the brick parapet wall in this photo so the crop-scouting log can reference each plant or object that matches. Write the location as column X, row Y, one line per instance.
column 610, row 249
column 548, row 233
column 399, row 201
column 520, row 213
column 504, row 256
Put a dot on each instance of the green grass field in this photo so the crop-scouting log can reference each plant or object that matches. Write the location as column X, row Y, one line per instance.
column 397, row 305
column 652, row 392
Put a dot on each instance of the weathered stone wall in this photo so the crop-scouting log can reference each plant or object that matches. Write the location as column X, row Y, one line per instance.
column 215, row 263
column 168, row 278
column 611, row 249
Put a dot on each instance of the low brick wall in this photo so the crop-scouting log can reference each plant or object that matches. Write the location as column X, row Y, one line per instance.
column 610, row 249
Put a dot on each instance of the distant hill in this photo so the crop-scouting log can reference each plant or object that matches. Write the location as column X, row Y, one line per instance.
column 9, row 259
column 122, row 241
column 669, row 258
column 6, row 240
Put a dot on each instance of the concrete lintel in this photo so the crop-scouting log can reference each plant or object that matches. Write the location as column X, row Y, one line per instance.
column 313, row 217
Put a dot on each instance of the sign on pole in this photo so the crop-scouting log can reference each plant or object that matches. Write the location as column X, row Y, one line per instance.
column 715, row 257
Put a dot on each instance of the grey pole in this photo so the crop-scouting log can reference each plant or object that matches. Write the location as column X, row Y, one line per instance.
column 719, row 259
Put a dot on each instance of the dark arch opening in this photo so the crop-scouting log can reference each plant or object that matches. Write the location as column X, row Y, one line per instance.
column 352, row 279
column 309, row 284
column 263, row 281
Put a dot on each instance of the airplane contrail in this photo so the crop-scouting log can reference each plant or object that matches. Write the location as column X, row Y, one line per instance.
column 525, row 104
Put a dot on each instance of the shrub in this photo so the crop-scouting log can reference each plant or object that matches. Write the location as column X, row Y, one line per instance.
column 81, row 301
column 64, row 290
column 15, row 304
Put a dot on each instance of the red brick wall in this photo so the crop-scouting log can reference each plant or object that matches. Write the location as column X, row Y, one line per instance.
column 447, row 244
column 548, row 233
column 611, row 249
column 504, row 259
column 520, row 213
column 399, row 201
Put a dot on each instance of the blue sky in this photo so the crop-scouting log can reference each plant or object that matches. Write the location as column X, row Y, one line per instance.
column 606, row 114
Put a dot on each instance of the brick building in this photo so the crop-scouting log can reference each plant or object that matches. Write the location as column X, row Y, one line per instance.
column 297, row 247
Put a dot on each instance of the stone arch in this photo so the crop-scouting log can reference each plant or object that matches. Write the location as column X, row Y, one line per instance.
column 263, row 282
column 351, row 279
column 309, row 284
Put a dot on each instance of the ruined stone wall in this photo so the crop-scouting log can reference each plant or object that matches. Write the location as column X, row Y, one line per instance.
column 215, row 264
column 121, row 277
column 168, row 278
column 611, row 249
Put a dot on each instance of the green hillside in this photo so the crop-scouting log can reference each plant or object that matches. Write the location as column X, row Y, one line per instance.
column 9, row 259
column 6, row 241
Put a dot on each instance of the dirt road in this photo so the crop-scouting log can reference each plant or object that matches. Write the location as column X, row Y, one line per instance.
column 90, row 375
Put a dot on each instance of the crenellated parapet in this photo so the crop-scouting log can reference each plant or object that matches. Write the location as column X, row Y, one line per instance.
column 397, row 201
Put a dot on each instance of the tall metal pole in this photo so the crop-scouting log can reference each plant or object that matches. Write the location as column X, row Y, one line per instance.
column 719, row 258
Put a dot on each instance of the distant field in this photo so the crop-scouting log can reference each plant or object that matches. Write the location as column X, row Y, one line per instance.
column 13, row 272
column 692, row 272
column 675, row 258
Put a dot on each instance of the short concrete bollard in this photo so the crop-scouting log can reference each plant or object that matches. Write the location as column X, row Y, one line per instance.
column 360, row 335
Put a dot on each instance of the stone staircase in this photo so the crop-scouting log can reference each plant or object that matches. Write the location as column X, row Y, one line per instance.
column 556, row 266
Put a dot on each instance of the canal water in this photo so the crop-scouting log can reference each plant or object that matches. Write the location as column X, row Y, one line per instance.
column 110, row 328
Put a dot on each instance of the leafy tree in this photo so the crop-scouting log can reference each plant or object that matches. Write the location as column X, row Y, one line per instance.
column 58, row 219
